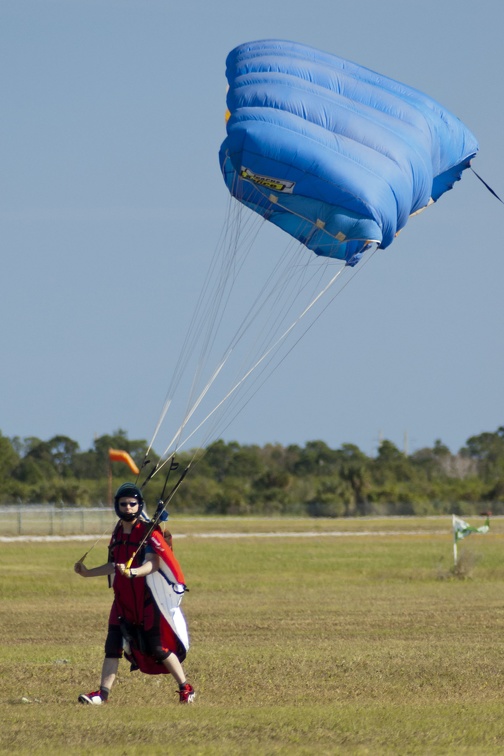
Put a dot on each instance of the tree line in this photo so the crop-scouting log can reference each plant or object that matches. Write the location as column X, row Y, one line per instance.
column 230, row 478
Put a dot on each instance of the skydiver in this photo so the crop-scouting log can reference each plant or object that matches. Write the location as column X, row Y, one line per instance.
column 137, row 627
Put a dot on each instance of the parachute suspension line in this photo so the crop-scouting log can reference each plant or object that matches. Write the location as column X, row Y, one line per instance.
column 270, row 352
column 205, row 322
column 199, row 318
column 331, row 300
column 227, row 279
column 289, row 282
column 287, row 275
column 175, row 439
column 258, row 306
column 83, row 557
column 213, row 318
column 194, row 328
column 292, row 281
column 282, row 295
column 229, row 271
column 267, row 368
column 253, row 392
column 293, row 274
column 195, row 405
column 263, row 375
column 260, row 302
column 284, row 275
column 265, row 355
column 227, row 274
column 162, row 416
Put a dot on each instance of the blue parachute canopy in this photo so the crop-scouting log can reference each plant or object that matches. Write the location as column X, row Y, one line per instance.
column 336, row 155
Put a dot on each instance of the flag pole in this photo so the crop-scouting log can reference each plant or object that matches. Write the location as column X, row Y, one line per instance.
column 109, row 476
column 454, row 542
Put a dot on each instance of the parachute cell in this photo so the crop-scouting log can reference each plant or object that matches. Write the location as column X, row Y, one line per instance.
column 333, row 153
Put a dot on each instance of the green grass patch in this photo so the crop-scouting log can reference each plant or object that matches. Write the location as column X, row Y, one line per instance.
column 300, row 645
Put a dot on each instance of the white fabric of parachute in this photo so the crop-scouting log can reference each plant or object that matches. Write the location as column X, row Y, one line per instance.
column 168, row 596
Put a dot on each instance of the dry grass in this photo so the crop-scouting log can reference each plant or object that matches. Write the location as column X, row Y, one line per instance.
column 300, row 645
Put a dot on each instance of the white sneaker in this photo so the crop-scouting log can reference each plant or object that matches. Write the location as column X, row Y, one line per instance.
column 91, row 698
column 187, row 694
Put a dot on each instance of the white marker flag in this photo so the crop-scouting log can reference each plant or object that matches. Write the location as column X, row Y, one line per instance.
column 461, row 529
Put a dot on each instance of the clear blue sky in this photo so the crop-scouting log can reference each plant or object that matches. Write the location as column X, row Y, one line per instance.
column 112, row 202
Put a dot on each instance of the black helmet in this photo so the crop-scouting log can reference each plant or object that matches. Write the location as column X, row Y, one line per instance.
column 128, row 489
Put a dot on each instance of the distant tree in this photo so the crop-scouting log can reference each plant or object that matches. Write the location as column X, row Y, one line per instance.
column 495, row 497
column 230, row 478
column 219, row 457
column 355, row 471
column 272, row 479
column 391, row 464
column 440, row 449
column 247, row 462
column 333, row 498
column 275, row 456
column 63, row 452
column 292, row 456
column 198, row 496
column 229, row 499
column 88, row 465
column 317, row 458
column 427, row 463
column 37, row 463
column 487, row 449
column 9, row 458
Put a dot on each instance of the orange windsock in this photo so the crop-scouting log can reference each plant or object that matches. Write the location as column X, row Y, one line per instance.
column 117, row 455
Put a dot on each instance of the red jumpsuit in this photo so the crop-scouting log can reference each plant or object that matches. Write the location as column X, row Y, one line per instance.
column 134, row 615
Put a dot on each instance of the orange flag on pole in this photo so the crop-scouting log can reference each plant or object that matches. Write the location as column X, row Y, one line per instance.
column 117, row 455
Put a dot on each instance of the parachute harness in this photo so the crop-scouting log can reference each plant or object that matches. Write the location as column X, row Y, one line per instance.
column 160, row 510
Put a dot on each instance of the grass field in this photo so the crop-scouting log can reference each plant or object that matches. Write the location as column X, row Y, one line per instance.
column 358, row 644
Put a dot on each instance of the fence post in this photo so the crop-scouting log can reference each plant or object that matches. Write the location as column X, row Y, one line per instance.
column 20, row 521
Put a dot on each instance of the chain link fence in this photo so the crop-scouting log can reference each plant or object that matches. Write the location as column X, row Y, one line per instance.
column 49, row 520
